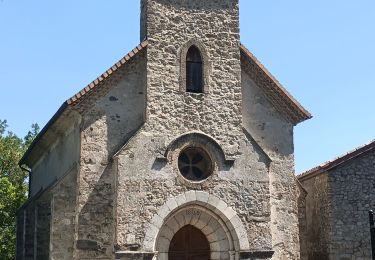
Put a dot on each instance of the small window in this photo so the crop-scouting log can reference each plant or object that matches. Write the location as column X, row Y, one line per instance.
column 194, row 70
column 194, row 164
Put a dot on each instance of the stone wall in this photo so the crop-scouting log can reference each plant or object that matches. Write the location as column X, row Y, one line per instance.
column 284, row 212
column 171, row 111
column 302, row 225
column 33, row 229
column 274, row 134
column 145, row 180
column 318, row 213
column 43, row 225
column 352, row 187
column 63, row 219
column 20, row 233
column 29, row 249
column 55, row 161
column 337, row 207
column 109, row 120
column 46, row 224
column 145, row 185
column 129, row 149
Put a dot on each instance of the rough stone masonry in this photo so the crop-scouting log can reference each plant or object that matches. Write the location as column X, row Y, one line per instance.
column 140, row 157
column 339, row 195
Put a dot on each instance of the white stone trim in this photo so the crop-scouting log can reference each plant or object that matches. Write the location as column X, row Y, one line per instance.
column 219, row 222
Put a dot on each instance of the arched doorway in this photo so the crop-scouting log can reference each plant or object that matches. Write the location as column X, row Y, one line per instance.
column 189, row 243
column 218, row 222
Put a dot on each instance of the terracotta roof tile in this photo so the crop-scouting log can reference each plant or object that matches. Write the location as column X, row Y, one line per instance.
column 276, row 94
column 78, row 97
column 337, row 161
column 90, row 87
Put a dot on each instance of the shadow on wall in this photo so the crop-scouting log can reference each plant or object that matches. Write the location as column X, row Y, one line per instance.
column 96, row 223
column 109, row 124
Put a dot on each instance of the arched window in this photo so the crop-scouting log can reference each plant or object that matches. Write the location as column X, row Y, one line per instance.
column 194, row 70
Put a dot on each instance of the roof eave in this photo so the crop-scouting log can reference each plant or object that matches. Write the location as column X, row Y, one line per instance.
column 54, row 118
column 77, row 98
column 300, row 113
column 325, row 167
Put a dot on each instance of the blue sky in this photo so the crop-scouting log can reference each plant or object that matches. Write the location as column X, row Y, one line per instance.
column 322, row 51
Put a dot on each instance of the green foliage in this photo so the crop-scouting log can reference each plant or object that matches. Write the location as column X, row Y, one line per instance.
column 13, row 185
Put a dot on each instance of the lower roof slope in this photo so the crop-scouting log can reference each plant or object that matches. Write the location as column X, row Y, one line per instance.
column 276, row 94
column 329, row 165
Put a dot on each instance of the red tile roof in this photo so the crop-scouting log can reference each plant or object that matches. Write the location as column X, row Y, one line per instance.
column 337, row 161
column 276, row 94
column 80, row 96
column 91, row 87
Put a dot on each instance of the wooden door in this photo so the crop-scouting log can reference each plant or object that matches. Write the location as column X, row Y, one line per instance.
column 189, row 243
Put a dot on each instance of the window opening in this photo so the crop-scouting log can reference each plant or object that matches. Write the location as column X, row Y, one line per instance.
column 194, row 70
column 195, row 164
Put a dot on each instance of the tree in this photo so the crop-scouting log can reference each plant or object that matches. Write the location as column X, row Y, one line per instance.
column 13, row 185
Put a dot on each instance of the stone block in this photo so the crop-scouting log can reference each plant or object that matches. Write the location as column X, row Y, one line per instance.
column 190, row 196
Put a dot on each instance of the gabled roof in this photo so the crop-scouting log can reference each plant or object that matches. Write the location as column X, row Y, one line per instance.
column 78, row 98
column 337, row 161
column 275, row 93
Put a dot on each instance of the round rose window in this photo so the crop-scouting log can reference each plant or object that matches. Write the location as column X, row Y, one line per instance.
column 194, row 164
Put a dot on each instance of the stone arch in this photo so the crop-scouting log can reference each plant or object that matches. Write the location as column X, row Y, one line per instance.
column 217, row 156
column 205, row 63
column 219, row 222
column 203, row 139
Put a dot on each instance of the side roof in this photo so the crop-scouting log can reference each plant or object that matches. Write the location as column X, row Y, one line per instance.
column 277, row 95
column 78, row 98
column 337, row 161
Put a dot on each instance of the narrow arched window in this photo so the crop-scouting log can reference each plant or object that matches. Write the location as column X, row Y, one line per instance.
column 194, row 70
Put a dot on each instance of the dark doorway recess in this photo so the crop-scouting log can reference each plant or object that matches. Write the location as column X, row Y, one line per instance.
column 189, row 243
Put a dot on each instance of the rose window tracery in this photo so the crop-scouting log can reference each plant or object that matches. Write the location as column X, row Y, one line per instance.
column 195, row 164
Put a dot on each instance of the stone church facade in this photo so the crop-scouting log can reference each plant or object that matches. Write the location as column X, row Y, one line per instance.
column 182, row 150
column 338, row 195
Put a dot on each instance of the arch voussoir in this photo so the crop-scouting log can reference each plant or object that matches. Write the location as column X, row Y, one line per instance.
column 166, row 232
column 180, row 218
column 173, row 224
column 217, row 221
